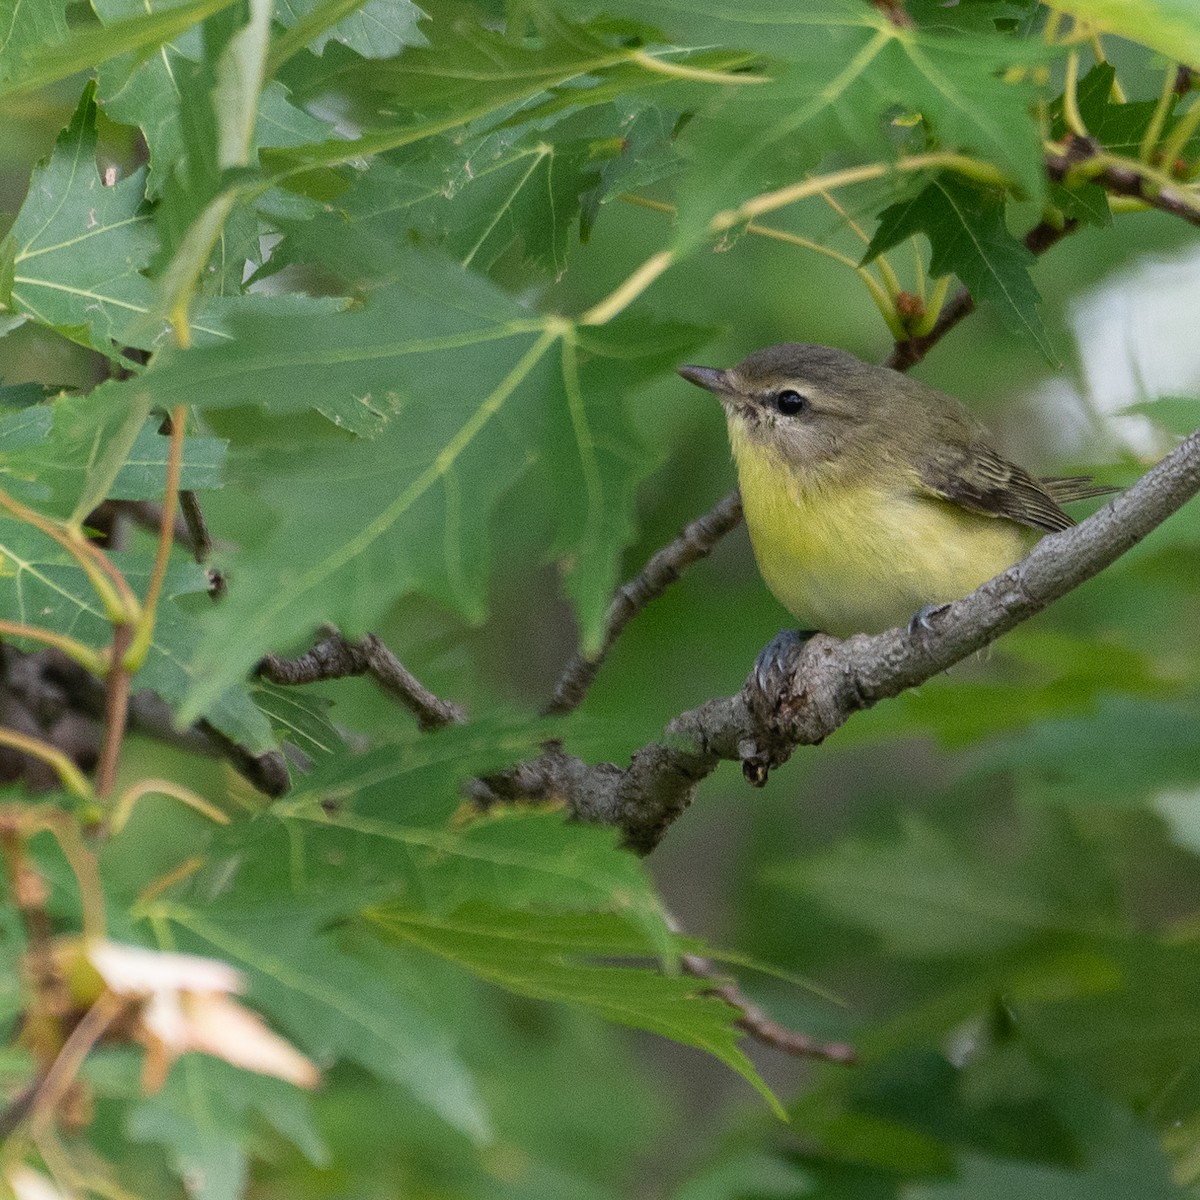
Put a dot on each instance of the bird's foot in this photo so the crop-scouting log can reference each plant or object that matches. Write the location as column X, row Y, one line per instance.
column 767, row 691
column 773, row 667
column 920, row 622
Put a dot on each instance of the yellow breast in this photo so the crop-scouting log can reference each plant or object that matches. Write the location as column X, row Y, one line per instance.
column 852, row 558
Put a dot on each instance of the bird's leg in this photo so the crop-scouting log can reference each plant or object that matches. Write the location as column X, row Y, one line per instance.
column 767, row 691
column 773, row 667
column 920, row 619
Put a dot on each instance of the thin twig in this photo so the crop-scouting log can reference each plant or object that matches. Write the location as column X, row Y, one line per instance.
column 333, row 657
column 894, row 11
column 197, row 526
column 762, row 1028
column 116, row 711
column 166, row 538
column 57, row 1083
column 663, row 569
column 1123, row 177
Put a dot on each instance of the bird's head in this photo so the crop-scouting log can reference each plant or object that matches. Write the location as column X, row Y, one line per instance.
column 803, row 403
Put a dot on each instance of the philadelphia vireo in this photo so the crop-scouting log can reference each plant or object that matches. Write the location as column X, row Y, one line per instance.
column 871, row 497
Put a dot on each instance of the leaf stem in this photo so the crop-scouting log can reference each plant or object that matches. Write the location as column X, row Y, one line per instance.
column 144, row 632
column 933, row 307
column 972, row 168
column 1155, row 128
column 76, row 1048
column 64, row 828
column 1180, row 136
column 120, row 604
column 683, row 71
column 657, row 263
column 878, row 293
column 116, row 711
column 1117, row 92
column 69, row 775
column 918, row 266
column 123, row 809
column 630, row 290
column 890, row 280
column 91, row 660
column 1071, row 115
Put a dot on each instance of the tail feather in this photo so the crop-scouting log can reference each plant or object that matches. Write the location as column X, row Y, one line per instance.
column 1065, row 488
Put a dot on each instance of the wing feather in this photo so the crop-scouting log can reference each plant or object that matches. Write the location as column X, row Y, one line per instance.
column 980, row 480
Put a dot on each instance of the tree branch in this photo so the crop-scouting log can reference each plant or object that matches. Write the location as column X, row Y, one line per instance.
column 333, row 657
column 828, row 680
column 761, row 1027
column 1082, row 155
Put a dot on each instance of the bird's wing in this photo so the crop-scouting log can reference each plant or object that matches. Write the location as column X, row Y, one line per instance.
column 978, row 479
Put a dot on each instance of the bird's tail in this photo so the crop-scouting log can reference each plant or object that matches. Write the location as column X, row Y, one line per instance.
column 1065, row 488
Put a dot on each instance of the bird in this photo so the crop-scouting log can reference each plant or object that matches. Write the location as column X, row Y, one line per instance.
column 873, row 499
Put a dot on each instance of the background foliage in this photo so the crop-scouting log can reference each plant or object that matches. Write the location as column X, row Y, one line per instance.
column 418, row 278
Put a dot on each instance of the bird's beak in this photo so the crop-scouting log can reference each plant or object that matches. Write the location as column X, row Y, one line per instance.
column 709, row 378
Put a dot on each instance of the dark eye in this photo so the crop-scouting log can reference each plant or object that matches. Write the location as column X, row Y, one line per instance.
column 790, row 402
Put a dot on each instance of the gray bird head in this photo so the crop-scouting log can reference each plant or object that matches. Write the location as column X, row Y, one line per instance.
column 805, row 403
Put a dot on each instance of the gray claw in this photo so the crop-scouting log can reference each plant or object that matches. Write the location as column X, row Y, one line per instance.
column 772, row 667
column 920, row 619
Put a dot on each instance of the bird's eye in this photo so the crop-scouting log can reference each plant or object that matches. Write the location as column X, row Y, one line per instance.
column 790, row 402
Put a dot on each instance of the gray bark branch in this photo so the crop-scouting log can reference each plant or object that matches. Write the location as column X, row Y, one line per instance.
column 333, row 657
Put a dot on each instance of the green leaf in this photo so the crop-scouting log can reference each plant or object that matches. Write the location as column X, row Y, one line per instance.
column 201, row 1115
column 538, row 955
column 374, row 28
column 39, row 444
column 219, row 117
column 148, row 91
column 1087, row 202
column 300, row 718
column 334, row 1007
column 926, row 897
column 24, row 395
column 86, row 47
column 413, row 506
column 26, row 28
column 79, row 246
column 839, row 74
column 1081, row 761
column 505, row 194
column 1119, row 127
column 1176, row 414
column 404, row 797
column 1168, row 26
column 1058, row 675
column 467, row 74
column 600, row 367
column 749, row 1173
column 967, row 236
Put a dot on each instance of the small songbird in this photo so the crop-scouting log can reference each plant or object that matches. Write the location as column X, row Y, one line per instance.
column 872, row 498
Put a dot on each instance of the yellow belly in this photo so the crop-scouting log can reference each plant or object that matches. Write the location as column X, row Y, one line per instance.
column 858, row 560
